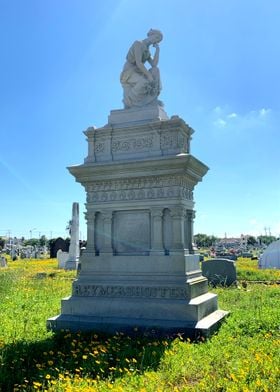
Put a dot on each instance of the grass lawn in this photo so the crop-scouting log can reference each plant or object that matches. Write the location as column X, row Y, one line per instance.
column 243, row 356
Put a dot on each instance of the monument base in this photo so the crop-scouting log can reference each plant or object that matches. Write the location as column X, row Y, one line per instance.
column 127, row 117
column 151, row 295
column 139, row 327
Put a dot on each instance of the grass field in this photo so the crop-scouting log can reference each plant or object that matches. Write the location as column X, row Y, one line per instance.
column 243, row 356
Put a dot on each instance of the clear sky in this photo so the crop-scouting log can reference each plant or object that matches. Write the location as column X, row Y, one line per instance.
column 59, row 74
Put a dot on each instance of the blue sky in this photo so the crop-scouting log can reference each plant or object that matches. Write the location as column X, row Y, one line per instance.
column 59, row 73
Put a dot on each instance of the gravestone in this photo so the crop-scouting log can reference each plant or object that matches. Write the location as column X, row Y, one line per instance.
column 219, row 271
column 74, row 249
column 3, row 262
column 228, row 256
column 62, row 258
column 247, row 255
column 139, row 269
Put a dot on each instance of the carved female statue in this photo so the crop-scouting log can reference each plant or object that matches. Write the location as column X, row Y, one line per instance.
column 141, row 86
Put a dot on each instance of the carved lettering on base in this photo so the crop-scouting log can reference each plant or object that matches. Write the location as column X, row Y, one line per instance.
column 130, row 291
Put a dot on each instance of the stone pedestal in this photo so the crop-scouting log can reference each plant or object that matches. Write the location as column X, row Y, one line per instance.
column 139, row 270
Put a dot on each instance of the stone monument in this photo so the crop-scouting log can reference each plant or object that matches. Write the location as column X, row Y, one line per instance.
column 139, row 271
column 220, row 271
column 74, row 249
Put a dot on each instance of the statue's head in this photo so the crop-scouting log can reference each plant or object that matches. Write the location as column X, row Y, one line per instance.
column 155, row 36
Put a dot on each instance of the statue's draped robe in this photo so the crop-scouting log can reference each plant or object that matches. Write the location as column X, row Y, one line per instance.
column 137, row 89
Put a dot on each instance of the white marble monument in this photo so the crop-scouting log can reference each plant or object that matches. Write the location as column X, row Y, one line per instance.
column 74, row 249
column 139, row 269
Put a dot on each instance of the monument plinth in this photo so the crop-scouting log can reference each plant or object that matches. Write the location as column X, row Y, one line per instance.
column 139, row 270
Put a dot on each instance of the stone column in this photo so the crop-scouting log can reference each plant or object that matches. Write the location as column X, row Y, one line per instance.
column 156, row 231
column 107, row 233
column 177, row 214
column 74, row 249
column 190, row 215
column 90, row 217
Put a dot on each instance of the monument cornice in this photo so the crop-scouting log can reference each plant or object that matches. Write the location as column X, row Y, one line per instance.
column 184, row 164
column 174, row 122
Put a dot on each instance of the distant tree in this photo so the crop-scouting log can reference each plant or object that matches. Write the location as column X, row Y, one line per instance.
column 2, row 243
column 266, row 239
column 203, row 240
column 32, row 242
column 51, row 242
column 43, row 240
column 212, row 240
column 251, row 240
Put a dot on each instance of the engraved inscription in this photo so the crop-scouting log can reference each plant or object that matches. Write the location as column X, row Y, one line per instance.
column 132, row 145
column 130, row 291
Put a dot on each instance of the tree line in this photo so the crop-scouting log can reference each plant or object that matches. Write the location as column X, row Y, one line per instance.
column 206, row 241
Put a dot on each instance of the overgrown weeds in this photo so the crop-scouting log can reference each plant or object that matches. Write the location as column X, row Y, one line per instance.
column 243, row 356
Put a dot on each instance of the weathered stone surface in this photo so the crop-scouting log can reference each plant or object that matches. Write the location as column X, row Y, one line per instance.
column 125, row 140
column 219, row 271
column 74, row 249
column 139, row 268
column 62, row 258
column 133, row 116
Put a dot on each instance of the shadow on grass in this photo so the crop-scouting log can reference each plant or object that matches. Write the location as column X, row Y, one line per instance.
column 25, row 364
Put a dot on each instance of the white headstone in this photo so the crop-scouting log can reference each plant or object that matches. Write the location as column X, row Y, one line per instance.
column 62, row 258
column 3, row 261
column 74, row 249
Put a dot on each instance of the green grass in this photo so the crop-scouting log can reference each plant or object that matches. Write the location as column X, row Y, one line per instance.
column 247, row 269
column 243, row 356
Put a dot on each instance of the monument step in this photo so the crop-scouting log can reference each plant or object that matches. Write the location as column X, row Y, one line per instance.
column 135, row 326
column 142, row 308
column 204, row 305
column 197, row 286
column 207, row 325
column 202, row 298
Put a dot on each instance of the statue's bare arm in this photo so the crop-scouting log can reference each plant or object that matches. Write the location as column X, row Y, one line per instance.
column 154, row 61
column 139, row 64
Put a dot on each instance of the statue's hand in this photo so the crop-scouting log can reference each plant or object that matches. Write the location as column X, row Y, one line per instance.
column 156, row 46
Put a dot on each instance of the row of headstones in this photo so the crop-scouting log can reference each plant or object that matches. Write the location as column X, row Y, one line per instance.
column 27, row 252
